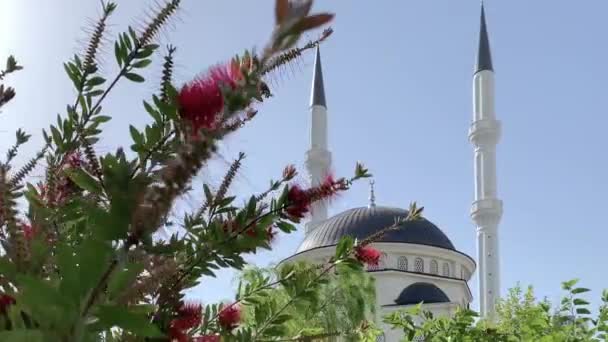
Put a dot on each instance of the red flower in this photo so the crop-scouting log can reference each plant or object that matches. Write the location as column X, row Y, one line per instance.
column 270, row 234
column 230, row 316
column 188, row 317
column 367, row 255
column 206, row 338
column 73, row 160
column 252, row 231
column 289, row 172
column 177, row 335
column 5, row 302
column 201, row 101
column 299, row 202
column 28, row 231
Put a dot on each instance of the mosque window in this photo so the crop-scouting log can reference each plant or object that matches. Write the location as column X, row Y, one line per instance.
column 402, row 263
column 383, row 260
column 419, row 265
column 434, row 267
column 446, row 269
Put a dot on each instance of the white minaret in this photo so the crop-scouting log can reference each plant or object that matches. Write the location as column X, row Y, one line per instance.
column 318, row 158
column 486, row 211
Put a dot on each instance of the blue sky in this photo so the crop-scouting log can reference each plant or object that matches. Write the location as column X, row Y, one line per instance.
column 398, row 85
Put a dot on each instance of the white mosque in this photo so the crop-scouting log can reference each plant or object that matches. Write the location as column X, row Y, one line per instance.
column 419, row 262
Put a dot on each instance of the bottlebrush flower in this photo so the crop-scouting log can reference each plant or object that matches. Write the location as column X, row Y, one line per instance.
column 289, row 172
column 5, row 302
column 300, row 200
column 230, row 316
column 201, row 101
column 367, row 255
column 73, row 160
column 28, row 231
column 188, row 316
column 270, row 234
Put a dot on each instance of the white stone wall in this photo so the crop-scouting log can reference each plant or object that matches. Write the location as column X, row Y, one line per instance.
column 390, row 280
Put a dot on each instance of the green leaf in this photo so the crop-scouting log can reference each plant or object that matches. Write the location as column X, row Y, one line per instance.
column 22, row 336
column 583, row 311
column 74, row 76
column 123, row 278
column 208, row 194
column 96, row 92
column 138, row 138
column 56, row 135
column 66, row 260
column 101, row 118
column 146, row 51
column 93, row 261
column 142, row 64
column 579, row 301
column 45, row 302
column 579, row 290
column 117, row 53
column 286, row 226
column 133, row 34
column 84, row 180
column 134, row 77
column 95, row 81
column 136, row 323
column 567, row 285
column 344, row 246
column 127, row 41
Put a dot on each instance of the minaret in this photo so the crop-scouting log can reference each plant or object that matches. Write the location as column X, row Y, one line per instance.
column 372, row 195
column 486, row 210
column 318, row 158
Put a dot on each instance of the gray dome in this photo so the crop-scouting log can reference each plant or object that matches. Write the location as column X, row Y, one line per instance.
column 421, row 292
column 362, row 222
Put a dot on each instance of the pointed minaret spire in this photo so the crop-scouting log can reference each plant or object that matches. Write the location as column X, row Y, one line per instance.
column 317, row 97
column 318, row 157
column 484, row 56
column 486, row 210
column 372, row 195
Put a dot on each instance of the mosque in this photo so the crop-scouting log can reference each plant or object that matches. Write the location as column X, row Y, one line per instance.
column 419, row 263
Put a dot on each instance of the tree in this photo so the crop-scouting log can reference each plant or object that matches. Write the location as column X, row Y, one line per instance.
column 342, row 306
column 520, row 317
column 80, row 257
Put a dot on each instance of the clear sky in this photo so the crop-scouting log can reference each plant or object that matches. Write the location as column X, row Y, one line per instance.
column 398, row 85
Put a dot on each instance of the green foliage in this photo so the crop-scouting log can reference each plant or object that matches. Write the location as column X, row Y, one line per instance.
column 84, row 261
column 339, row 304
column 519, row 317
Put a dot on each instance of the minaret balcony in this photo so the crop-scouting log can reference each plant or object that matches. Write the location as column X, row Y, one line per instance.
column 486, row 212
column 485, row 132
column 317, row 157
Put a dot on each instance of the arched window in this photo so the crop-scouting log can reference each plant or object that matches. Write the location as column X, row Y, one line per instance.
column 446, row 269
column 434, row 267
column 402, row 263
column 383, row 261
column 462, row 273
column 419, row 265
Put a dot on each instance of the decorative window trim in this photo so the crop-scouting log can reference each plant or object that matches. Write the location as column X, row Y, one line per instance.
column 402, row 263
column 434, row 267
column 419, row 265
column 446, row 269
